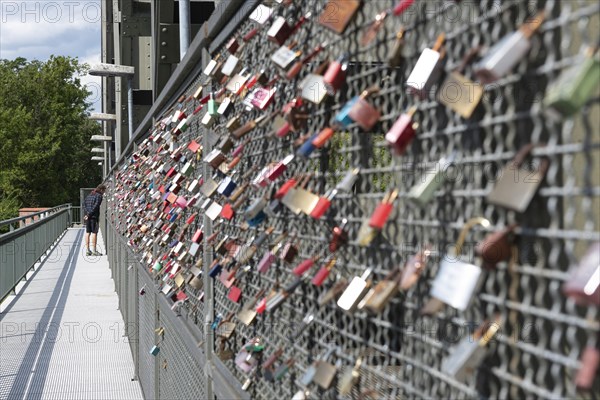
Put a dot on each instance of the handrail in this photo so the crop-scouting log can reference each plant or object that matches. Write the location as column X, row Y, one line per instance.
column 28, row 216
column 23, row 230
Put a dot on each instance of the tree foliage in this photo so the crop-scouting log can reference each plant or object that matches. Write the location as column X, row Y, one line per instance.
column 45, row 148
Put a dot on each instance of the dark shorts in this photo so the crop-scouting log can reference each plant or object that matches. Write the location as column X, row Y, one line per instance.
column 91, row 225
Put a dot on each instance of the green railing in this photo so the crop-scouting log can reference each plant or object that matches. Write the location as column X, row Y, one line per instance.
column 26, row 241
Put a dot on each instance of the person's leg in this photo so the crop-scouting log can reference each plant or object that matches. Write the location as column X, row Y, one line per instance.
column 94, row 238
column 88, row 230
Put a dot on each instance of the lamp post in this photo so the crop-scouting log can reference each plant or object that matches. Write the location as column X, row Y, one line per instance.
column 105, row 119
column 119, row 71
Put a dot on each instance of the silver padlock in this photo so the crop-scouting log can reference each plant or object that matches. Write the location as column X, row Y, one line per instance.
column 505, row 54
column 456, row 281
column 358, row 287
column 427, row 69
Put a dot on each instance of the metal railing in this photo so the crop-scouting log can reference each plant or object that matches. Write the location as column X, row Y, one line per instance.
column 23, row 246
column 76, row 215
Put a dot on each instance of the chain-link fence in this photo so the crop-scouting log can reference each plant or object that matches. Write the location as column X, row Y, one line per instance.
column 410, row 345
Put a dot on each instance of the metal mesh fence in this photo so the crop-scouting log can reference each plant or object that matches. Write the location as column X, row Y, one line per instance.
column 405, row 352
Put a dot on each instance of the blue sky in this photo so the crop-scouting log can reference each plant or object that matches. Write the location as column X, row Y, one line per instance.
column 38, row 29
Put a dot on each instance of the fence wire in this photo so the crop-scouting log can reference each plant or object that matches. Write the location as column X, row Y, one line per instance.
column 542, row 333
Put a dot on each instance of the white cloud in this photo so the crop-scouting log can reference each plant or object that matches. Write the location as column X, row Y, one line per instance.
column 39, row 29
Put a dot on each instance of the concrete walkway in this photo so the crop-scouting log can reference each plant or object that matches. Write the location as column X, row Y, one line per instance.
column 62, row 336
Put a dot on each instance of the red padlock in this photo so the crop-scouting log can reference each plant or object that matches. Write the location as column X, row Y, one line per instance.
column 227, row 212
column 198, row 236
column 323, row 205
column 290, row 183
column 323, row 137
column 323, row 273
column 335, row 76
column 402, row 132
column 304, row 266
column 234, row 294
column 383, row 211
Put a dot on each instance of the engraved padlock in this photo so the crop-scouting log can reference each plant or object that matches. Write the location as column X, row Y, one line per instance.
column 338, row 14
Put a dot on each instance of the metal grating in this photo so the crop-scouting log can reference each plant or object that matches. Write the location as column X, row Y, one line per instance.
column 147, row 339
column 543, row 333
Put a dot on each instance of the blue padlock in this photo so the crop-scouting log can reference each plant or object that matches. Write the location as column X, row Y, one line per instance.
column 257, row 220
column 308, row 147
column 215, row 271
column 155, row 350
column 227, row 187
column 343, row 117
column 173, row 217
column 216, row 322
column 173, row 243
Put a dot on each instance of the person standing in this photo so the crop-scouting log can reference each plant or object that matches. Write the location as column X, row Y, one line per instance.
column 91, row 206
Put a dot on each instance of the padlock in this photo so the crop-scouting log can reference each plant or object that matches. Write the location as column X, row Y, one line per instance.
column 283, row 369
column 295, row 69
column 413, row 268
column 311, row 372
column 323, row 204
column 338, row 14
column 362, row 112
column 424, row 190
column 396, row 57
column 313, row 88
column 215, row 158
column 383, row 210
column 282, row 191
column 227, row 186
column 213, row 106
column 231, row 66
column 278, row 299
column 466, row 357
column 279, row 168
column 215, row 269
column 261, row 98
column 587, row 373
column 142, row 290
column 324, row 374
column 268, row 363
column 496, row 247
column 505, row 54
column 380, row 294
column 247, row 314
column 212, row 67
column 349, row 378
column 304, row 266
column 335, row 76
column 284, row 57
column 370, row 33
column 234, row 294
column 297, row 332
column 289, row 251
column 583, row 285
column 516, row 186
column 458, row 92
column 358, row 287
column 154, row 350
column 225, row 107
column 255, row 209
column 233, row 124
column 233, row 45
column 323, row 273
column 323, row 137
column 456, row 280
column 339, row 236
column 575, row 86
column 427, row 69
column 279, row 31
column 194, row 146
column 348, row 181
column 261, row 14
column 298, row 200
column 402, row 132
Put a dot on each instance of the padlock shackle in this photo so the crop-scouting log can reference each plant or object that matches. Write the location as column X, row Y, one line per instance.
column 468, row 226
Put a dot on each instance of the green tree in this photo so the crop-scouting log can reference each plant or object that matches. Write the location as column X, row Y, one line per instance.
column 44, row 134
